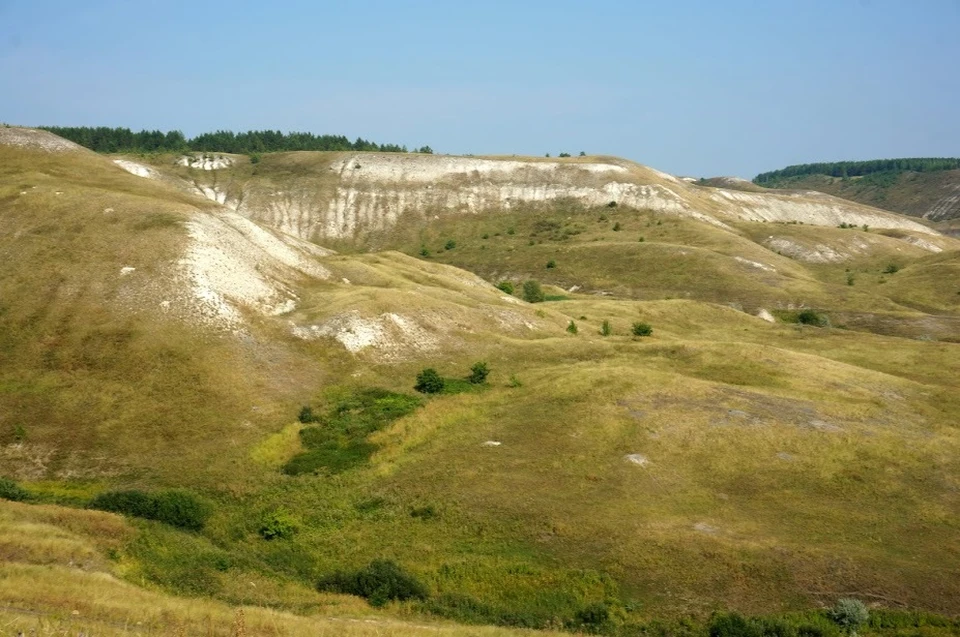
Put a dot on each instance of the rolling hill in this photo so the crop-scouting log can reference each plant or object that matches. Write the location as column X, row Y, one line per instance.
column 785, row 436
column 933, row 195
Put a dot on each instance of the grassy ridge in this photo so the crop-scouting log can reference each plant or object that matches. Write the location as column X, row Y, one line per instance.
column 722, row 463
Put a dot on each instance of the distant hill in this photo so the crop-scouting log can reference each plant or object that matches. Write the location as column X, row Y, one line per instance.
column 928, row 188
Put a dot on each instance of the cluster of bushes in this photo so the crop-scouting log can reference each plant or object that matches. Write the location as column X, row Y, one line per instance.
column 338, row 441
column 858, row 168
column 10, row 490
column 177, row 508
column 103, row 139
column 429, row 380
column 379, row 582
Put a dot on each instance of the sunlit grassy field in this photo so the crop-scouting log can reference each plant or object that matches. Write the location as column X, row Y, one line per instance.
column 721, row 463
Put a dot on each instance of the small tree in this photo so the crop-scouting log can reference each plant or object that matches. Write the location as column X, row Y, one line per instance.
column 641, row 329
column 572, row 327
column 478, row 373
column 429, row 382
column 505, row 287
column 532, row 293
column 605, row 329
column 583, row 154
column 850, row 614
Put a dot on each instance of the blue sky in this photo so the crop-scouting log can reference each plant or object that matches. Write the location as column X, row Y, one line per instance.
column 693, row 88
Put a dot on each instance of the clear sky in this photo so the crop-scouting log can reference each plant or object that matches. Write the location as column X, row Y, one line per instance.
column 691, row 87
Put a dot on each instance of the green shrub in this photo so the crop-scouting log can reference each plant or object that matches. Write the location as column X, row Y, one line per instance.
column 485, row 236
column 612, row 204
column 605, row 329
column 641, row 329
column 642, row 239
column 733, row 625
column 893, row 268
column 593, row 616
column 19, row 433
column 812, row 317
column 278, row 525
column 572, row 327
column 176, row 508
column 617, row 227
column 478, row 373
column 505, row 287
column 424, row 513
column 378, row 583
column 532, row 293
column 514, row 381
column 254, row 158
column 511, row 230
column 306, row 415
column 429, row 382
column 10, row 490
column 424, row 252
column 849, row 614
column 551, row 264
column 450, row 244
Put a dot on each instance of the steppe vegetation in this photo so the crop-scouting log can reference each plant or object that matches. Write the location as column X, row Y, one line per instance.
column 678, row 467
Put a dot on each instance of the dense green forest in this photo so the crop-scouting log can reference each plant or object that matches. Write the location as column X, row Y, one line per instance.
column 857, row 168
column 123, row 140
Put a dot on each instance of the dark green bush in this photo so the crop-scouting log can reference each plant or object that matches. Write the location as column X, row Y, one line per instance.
column 532, row 293
column 450, row 244
column 593, row 616
column 617, row 227
column 10, row 490
column 733, row 625
column 812, row 317
column 176, row 508
column 893, row 268
column 572, row 328
column 429, row 382
column 379, row 582
column 505, row 286
column 424, row 513
column 478, row 373
column 641, row 329
column 551, row 264
column 605, row 329
column 306, row 415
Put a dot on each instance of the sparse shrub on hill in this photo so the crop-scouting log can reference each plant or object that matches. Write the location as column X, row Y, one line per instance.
column 733, row 625
column 893, row 268
column 424, row 252
column 176, row 508
column 617, row 227
column 278, row 525
column 850, row 614
column 379, row 582
column 505, row 287
column 429, row 382
column 593, row 617
column 306, row 415
column 812, row 317
column 10, row 490
column 478, row 373
column 254, row 158
column 450, row 244
column 551, row 264
column 641, row 329
column 572, row 328
column 605, row 329
column 532, row 292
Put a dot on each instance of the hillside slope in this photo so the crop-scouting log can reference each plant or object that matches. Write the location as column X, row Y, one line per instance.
column 155, row 337
column 934, row 195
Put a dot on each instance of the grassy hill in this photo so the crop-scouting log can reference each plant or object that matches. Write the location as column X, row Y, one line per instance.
column 930, row 195
column 722, row 463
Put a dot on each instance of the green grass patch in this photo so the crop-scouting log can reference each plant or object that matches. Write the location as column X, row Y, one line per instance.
column 339, row 442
